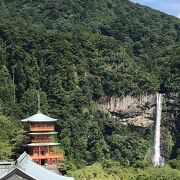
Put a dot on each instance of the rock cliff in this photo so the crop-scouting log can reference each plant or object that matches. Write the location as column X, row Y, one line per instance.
column 130, row 110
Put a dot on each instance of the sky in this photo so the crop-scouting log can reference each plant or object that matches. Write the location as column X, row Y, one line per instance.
column 171, row 7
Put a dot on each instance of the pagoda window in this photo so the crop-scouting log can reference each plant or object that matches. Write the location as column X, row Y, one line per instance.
column 51, row 149
column 37, row 161
column 53, row 161
column 46, row 150
column 35, row 151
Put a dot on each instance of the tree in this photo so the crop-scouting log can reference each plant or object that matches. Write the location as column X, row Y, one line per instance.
column 6, row 88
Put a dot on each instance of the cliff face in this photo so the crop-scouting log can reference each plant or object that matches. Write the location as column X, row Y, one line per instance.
column 141, row 111
column 170, row 141
column 130, row 110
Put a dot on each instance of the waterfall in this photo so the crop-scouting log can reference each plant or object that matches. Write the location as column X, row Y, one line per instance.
column 157, row 156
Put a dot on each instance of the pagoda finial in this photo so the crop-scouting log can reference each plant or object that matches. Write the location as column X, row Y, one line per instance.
column 39, row 105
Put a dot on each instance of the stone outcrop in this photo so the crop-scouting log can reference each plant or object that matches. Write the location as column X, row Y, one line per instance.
column 138, row 121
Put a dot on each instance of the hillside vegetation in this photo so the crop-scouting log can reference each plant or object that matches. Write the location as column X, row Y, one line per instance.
column 73, row 52
column 114, row 172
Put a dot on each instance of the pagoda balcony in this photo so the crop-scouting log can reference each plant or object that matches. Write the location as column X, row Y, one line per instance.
column 51, row 155
column 41, row 140
column 48, row 128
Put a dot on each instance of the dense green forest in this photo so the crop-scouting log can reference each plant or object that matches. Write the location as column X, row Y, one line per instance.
column 74, row 52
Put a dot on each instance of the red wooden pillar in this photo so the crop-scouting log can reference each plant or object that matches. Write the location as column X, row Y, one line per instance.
column 39, row 151
column 48, row 150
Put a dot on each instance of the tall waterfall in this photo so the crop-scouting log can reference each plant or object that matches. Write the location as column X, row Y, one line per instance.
column 157, row 156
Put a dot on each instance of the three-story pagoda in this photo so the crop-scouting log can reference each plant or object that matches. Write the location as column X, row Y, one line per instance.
column 41, row 147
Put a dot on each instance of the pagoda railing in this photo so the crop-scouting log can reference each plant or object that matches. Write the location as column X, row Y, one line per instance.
column 51, row 128
column 48, row 156
column 41, row 140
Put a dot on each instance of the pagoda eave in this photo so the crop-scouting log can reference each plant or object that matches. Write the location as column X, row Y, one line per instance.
column 42, row 133
column 39, row 117
column 35, row 121
column 42, row 144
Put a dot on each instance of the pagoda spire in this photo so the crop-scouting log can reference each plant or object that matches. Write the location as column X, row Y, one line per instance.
column 39, row 103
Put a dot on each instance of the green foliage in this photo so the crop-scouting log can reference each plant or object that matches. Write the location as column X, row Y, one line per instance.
column 5, row 150
column 94, row 171
column 9, row 130
column 66, row 166
column 94, row 137
column 6, row 88
column 163, row 173
column 77, row 45
column 142, row 164
column 168, row 137
column 75, row 52
column 29, row 102
column 175, row 164
column 114, row 172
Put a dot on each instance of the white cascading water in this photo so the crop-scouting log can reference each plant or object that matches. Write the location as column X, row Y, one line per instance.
column 157, row 156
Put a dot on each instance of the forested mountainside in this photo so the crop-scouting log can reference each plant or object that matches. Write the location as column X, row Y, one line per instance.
column 75, row 52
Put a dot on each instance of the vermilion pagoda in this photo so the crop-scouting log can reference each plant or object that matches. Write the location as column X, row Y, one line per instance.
column 41, row 148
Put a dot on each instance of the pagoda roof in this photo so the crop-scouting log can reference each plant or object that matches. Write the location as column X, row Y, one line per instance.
column 42, row 144
column 39, row 117
column 45, row 133
column 25, row 168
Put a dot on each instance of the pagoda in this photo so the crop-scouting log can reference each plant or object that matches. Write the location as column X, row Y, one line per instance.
column 41, row 147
